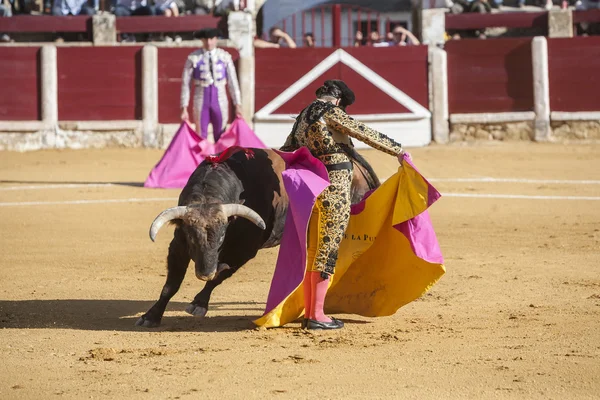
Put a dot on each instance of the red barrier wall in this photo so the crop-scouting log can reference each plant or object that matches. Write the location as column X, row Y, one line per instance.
column 20, row 84
column 99, row 83
column 574, row 71
column 405, row 68
column 170, row 68
column 490, row 75
column 272, row 79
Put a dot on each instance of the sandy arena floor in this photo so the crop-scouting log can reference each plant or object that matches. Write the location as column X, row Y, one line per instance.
column 517, row 315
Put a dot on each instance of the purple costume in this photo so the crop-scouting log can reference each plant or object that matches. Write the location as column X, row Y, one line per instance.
column 211, row 71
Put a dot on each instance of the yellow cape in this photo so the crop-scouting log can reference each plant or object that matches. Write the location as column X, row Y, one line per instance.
column 377, row 271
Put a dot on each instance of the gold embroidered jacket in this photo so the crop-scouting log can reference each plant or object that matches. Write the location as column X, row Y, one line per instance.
column 324, row 128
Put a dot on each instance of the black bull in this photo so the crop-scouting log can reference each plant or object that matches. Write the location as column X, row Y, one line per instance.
column 209, row 232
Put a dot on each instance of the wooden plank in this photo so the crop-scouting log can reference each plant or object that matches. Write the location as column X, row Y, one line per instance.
column 586, row 16
column 184, row 23
column 573, row 65
column 508, row 20
column 490, row 75
column 45, row 23
column 19, row 84
column 99, row 83
column 170, row 68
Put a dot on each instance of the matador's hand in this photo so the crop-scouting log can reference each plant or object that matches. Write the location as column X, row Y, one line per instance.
column 184, row 114
column 403, row 155
column 238, row 111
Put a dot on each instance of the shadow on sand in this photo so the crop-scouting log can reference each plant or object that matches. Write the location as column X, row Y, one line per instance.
column 21, row 182
column 120, row 315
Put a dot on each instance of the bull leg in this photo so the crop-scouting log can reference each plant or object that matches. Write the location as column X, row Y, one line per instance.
column 199, row 306
column 177, row 264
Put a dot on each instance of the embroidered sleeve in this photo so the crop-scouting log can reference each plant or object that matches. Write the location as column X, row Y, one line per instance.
column 232, row 81
column 339, row 121
column 186, row 77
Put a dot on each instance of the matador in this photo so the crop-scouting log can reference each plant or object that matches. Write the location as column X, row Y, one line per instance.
column 325, row 128
column 211, row 69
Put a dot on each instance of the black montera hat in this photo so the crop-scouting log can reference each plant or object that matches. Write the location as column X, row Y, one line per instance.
column 347, row 94
column 207, row 33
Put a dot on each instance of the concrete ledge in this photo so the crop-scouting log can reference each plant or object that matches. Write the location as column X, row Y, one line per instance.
column 575, row 116
column 23, row 126
column 99, row 125
column 361, row 118
column 492, row 118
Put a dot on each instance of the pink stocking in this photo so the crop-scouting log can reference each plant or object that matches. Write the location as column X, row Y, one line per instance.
column 307, row 286
column 319, row 291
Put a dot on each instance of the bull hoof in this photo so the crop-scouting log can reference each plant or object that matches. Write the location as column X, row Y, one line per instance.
column 196, row 310
column 146, row 323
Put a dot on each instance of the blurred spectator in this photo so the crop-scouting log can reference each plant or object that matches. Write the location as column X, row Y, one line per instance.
column 279, row 37
column 264, row 44
column 22, row 6
column 359, row 39
column 223, row 7
column 168, row 8
column 200, row 7
column 474, row 6
column 127, row 8
column 5, row 11
column 74, row 7
column 309, row 40
column 451, row 36
column 375, row 40
column 403, row 37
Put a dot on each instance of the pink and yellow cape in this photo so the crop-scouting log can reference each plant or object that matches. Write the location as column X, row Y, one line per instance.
column 389, row 257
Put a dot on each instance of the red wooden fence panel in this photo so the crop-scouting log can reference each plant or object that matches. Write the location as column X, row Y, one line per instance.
column 592, row 15
column 508, row 20
column 170, row 68
column 272, row 79
column 490, row 75
column 46, row 23
column 183, row 23
column 403, row 67
column 574, row 72
column 99, row 83
column 20, row 84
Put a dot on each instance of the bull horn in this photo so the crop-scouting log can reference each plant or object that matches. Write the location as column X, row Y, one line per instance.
column 242, row 211
column 168, row 215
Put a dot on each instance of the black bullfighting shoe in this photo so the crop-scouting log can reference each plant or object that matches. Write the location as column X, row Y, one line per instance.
column 304, row 322
column 318, row 325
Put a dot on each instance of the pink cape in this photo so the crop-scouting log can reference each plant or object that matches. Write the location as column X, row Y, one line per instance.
column 187, row 150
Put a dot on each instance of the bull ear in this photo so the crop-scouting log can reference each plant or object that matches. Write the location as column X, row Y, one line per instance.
column 167, row 215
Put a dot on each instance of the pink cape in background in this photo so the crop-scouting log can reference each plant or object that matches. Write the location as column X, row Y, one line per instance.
column 187, row 150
